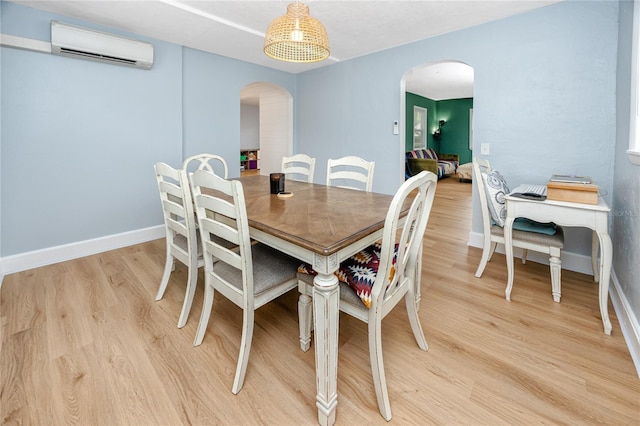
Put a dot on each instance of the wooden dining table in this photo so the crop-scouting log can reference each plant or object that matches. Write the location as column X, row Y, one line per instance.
column 322, row 226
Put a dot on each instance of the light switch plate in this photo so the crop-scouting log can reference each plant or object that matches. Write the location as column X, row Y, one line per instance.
column 484, row 148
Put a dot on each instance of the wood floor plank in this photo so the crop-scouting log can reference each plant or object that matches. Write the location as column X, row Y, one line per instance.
column 85, row 342
column 25, row 372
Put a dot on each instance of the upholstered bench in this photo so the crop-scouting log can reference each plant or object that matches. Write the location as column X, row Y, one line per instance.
column 464, row 172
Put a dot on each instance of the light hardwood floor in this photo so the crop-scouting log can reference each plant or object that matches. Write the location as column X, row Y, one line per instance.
column 84, row 342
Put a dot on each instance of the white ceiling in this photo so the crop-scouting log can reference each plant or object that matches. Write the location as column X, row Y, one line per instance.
column 444, row 80
column 236, row 29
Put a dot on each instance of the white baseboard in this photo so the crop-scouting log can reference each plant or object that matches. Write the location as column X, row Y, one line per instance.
column 627, row 319
column 581, row 263
column 570, row 261
column 48, row 256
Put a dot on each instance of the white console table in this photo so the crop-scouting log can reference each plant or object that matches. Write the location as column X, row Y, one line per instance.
column 563, row 213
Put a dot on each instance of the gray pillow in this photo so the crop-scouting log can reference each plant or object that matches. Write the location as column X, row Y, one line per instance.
column 496, row 188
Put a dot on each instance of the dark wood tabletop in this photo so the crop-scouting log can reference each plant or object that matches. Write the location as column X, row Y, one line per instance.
column 319, row 218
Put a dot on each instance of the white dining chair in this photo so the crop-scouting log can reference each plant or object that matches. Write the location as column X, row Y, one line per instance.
column 350, row 172
column 299, row 167
column 380, row 276
column 248, row 275
column 208, row 162
column 182, row 240
column 525, row 240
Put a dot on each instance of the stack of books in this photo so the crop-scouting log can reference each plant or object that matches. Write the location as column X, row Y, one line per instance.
column 575, row 189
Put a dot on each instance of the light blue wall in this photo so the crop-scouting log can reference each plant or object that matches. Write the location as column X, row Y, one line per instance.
column 626, row 195
column 544, row 99
column 79, row 138
column 349, row 109
column 212, row 86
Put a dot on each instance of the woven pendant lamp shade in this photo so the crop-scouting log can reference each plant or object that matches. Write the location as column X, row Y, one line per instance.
column 296, row 37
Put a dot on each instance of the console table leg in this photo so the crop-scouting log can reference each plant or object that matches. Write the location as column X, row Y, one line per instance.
column 606, row 256
column 594, row 257
column 508, row 253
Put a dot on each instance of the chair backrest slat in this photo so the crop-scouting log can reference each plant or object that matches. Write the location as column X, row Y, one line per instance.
column 221, row 212
column 350, row 172
column 177, row 203
column 299, row 167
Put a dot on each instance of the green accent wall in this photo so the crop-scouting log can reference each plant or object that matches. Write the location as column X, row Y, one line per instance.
column 455, row 132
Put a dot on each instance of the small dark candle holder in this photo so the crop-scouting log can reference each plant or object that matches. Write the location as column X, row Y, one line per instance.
column 277, row 182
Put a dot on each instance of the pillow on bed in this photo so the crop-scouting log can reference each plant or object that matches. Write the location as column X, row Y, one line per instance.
column 496, row 188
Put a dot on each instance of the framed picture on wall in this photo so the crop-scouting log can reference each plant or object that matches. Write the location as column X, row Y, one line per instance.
column 419, row 127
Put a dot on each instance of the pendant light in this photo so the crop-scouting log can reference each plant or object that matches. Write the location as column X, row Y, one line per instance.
column 296, row 37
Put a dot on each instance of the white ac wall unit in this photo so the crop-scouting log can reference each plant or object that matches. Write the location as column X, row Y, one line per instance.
column 83, row 43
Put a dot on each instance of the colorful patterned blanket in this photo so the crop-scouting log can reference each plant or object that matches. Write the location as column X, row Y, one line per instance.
column 359, row 272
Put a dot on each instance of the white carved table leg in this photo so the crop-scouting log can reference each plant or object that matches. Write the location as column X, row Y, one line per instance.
column 326, row 299
column 605, row 274
column 508, row 253
column 304, row 318
column 594, row 257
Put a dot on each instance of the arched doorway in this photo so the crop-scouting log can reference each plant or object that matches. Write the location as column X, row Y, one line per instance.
column 441, row 94
column 443, row 91
column 272, row 106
